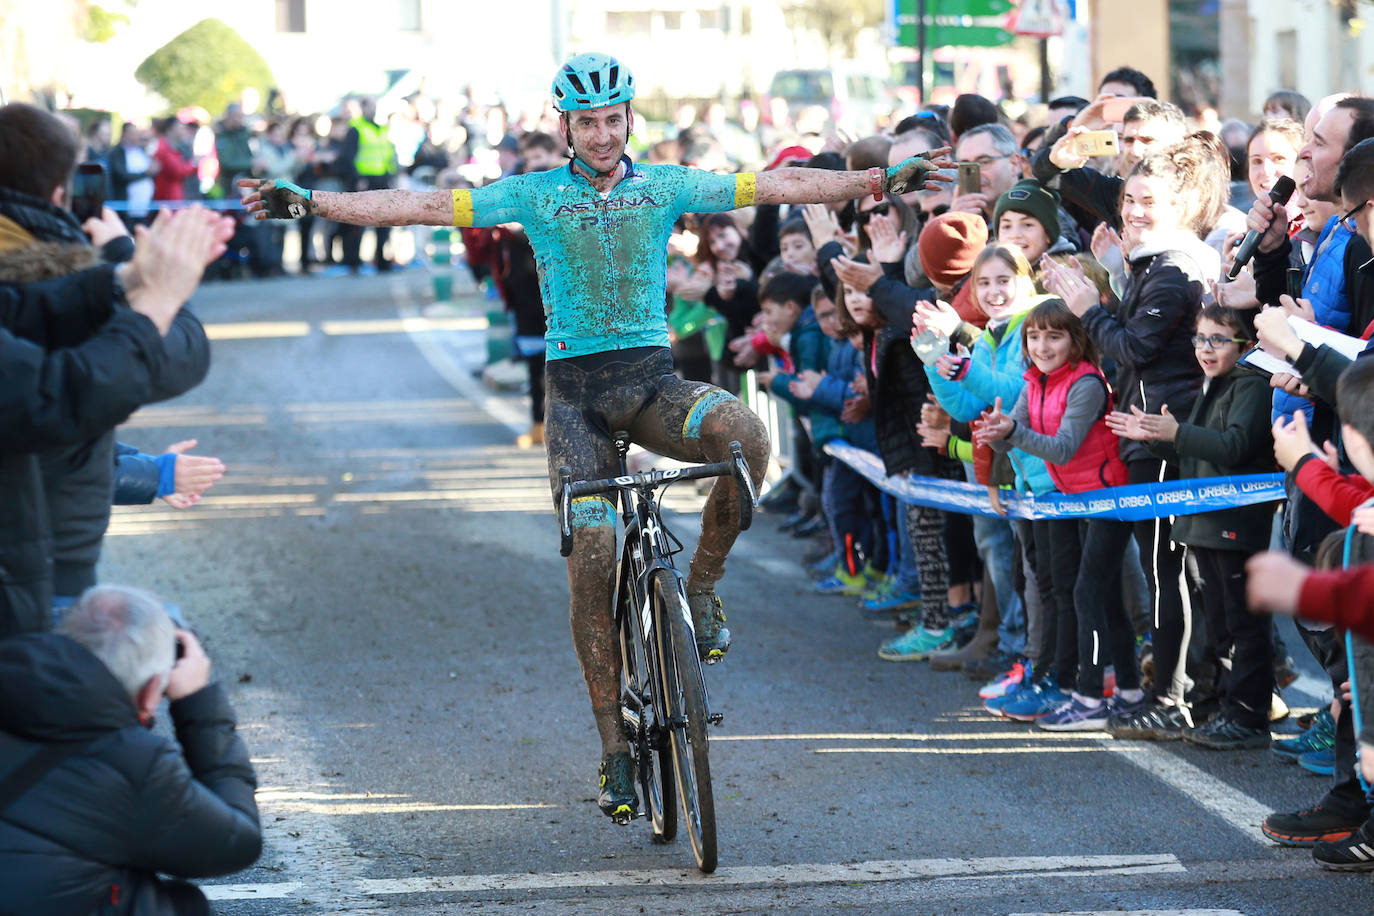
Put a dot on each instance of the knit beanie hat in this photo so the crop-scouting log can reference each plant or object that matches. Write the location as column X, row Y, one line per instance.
column 1033, row 199
column 949, row 244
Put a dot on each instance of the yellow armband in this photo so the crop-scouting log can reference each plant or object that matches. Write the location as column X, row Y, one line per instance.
column 462, row 207
column 746, row 184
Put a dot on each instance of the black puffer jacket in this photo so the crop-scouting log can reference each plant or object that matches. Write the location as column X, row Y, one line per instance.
column 61, row 342
column 127, row 803
column 1148, row 335
column 78, row 477
column 898, row 392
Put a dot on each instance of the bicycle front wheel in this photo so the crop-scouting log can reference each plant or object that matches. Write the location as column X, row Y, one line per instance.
column 685, row 695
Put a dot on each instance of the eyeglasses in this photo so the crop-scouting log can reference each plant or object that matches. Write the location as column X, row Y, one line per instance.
column 1215, row 341
column 985, row 161
column 865, row 215
column 1348, row 219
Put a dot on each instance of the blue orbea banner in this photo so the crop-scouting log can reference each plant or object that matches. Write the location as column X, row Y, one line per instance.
column 1130, row 503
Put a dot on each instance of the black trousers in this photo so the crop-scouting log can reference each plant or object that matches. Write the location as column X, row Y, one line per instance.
column 1163, row 562
column 1345, row 795
column 1056, row 572
column 1240, row 640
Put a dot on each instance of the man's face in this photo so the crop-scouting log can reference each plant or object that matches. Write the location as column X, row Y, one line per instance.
column 539, row 159
column 1323, row 151
column 598, row 135
column 828, row 317
column 1361, row 221
column 999, row 171
column 369, row 109
column 1141, row 138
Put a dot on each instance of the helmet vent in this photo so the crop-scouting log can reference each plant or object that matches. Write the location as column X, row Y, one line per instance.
column 595, row 77
column 577, row 83
column 614, row 77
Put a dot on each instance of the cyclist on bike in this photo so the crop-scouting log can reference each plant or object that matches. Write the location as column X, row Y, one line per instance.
column 599, row 228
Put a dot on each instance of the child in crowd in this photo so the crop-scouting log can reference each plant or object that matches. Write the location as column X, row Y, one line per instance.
column 898, row 387
column 840, row 408
column 1226, row 433
column 1060, row 416
column 965, row 387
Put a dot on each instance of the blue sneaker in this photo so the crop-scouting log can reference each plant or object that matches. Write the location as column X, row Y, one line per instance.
column 1322, row 762
column 1118, row 708
column 841, row 582
column 916, row 644
column 1041, row 700
column 1077, row 715
column 888, row 601
column 1319, row 737
column 824, row 566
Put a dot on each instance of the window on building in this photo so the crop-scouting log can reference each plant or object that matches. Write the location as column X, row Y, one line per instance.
column 410, row 16
column 1288, row 58
column 710, row 19
column 746, row 21
column 290, row 15
column 672, row 20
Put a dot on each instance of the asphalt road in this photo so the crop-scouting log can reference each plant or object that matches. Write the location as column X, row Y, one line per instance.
column 378, row 581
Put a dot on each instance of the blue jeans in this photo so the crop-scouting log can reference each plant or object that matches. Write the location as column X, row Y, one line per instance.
column 994, row 539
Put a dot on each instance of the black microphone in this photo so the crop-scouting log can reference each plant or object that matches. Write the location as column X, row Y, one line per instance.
column 1278, row 195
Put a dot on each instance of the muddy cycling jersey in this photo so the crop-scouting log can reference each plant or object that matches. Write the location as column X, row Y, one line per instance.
column 602, row 258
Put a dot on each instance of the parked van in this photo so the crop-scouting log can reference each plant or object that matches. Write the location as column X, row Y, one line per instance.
column 854, row 100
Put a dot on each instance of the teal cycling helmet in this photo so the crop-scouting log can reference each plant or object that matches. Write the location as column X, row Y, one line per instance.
column 592, row 80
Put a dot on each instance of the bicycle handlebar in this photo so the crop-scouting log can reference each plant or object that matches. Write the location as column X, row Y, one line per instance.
column 737, row 467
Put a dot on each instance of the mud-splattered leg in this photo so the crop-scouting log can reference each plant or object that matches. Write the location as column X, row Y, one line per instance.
column 591, row 580
column 726, row 422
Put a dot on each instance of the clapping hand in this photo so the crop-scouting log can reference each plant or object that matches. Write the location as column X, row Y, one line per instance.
column 934, row 425
column 822, row 224
column 193, row 476
column 888, row 245
column 1292, row 441
column 858, row 274
column 804, row 385
column 996, row 425
column 1070, row 284
column 1104, row 239
column 938, row 316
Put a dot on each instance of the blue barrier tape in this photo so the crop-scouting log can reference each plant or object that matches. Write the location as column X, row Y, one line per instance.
column 1130, row 503
column 122, row 206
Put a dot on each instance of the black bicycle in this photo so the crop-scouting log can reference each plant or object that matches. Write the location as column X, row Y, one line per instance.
column 662, row 694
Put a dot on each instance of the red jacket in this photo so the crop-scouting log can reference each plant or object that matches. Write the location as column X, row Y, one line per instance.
column 1337, row 495
column 1343, row 597
column 1097, row 463
column 170, row 182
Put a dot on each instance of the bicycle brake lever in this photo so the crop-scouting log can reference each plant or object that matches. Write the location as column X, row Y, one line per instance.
column 742, row 472
column 565, row 510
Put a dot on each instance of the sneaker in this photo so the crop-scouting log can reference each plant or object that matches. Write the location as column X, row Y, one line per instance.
column 713, row 639
column 915, row 645
column 616, row 777
column 1007, row 681
column 1121, row 708
column 1354, row 853
column 992, row 668
column 1285, row 672
column 1322, row 762
column 1152, row 722
column 823, row 567
column 964, row 619
column 1036, row 702
column 841, row 582
column 1222, row 733
column 1145, row 657
column 879, row 582
column 1312, row 825
column 889, row 601
column 1077, row 715
column 1319, row 737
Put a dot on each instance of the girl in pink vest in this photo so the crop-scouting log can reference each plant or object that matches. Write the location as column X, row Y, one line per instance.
column 1060, row 416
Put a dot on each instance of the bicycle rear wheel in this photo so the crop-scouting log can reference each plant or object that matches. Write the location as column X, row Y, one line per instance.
column 685, row 695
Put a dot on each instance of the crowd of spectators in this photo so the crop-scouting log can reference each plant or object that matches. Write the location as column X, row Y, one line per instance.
column 1060, row 321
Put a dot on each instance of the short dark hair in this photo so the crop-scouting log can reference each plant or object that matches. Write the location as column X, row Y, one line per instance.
column 1142, row 84
column 794, row 226
column 1226, row 317
column 971, row 111
column 1355, row 174
column 1054, row 315
column 1156, row 110
column 928, row 122
column 37, row 150
column 1077, row 103
column 1362, row 127
column 1295, row 103
column 540, row 140
column 1355, row 397
column 829, row 160
column 789, row 286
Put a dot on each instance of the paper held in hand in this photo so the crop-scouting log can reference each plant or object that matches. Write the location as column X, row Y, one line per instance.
column 1308, row 332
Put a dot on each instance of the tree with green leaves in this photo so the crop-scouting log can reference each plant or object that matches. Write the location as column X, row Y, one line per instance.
column 209, row 65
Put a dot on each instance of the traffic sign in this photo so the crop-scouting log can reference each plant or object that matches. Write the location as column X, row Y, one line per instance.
column 967, row 36
column 1038, row 19
column 953, row 22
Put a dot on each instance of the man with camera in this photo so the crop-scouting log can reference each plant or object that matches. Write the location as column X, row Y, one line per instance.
column 93, row 804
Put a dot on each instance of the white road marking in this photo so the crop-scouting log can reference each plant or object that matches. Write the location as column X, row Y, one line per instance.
column 787, row 875
column 1224, row 800
column 451, row 370
column 1141, row 913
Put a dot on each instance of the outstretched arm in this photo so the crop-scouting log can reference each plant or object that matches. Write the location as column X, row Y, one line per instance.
column 280, row 199
column 814, row 186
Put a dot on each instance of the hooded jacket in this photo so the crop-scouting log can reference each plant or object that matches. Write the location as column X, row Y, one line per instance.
column 1148, row 335
column 39, row 241
column 125, row 803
